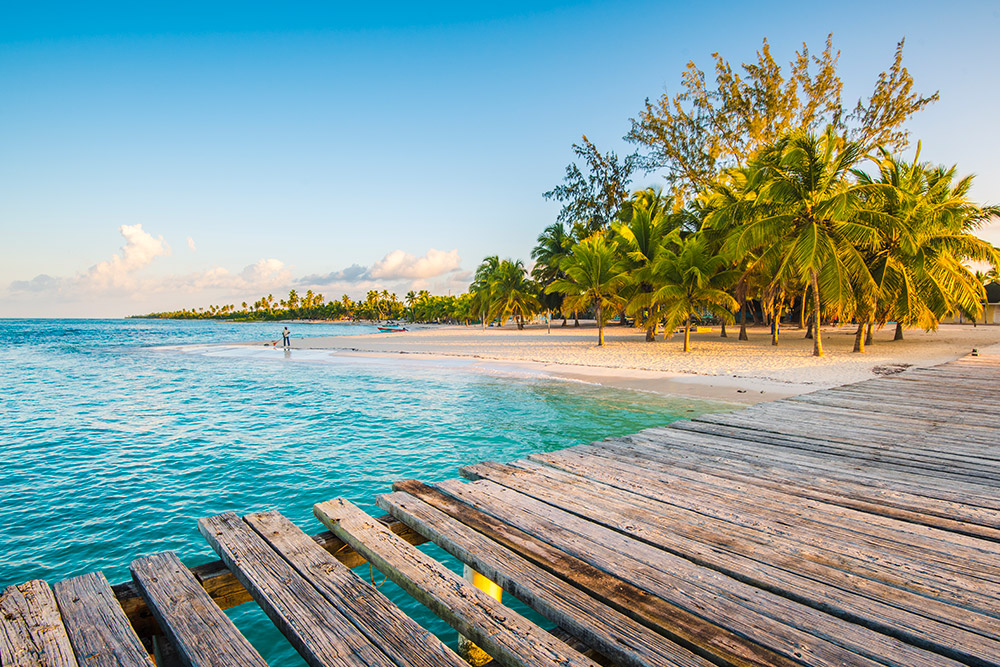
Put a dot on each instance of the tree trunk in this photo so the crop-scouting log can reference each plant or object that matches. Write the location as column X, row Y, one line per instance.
column 817, row 336
column 868, row 336
column 564, row 319
column 651, row 330
column 624, row 320
column 576, row 319
column 743, row 322
column 753, row 314
column 859, row 339
column 802, row 309
column 776, row 325
column 723, row 334
column 600, row 326
column 687, row 333
column 809, row 331
column 899, row 332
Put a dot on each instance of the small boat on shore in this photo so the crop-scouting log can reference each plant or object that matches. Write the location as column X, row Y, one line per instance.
column 391, row 329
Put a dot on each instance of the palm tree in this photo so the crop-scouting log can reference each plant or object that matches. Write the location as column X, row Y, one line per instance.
column 552, row 246
column 693, row 280
column 641, row 241
column 512, row 293
column 805, row 218
column 410, row 298
column 919, row 264
column 593, row 277
column 481, row 285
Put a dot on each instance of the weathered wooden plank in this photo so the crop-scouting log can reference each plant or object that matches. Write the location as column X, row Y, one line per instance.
column 902, row 570
column 722, row 447
column 203, row 635
column 607, row 630
column 759, row 448
column 841, row 439
column 550, row 520
column 31, row 629
column 801, row 443
column 381, row 621
column 891, row 609
column 685, row 628
column 921, row 405
column 226, row 591
column 505, row 635
column 848, row 429
column 971, row 523
column 320, row 633
column 702, row 492
column 97, row 627
column 905, row 433
column 795, row 630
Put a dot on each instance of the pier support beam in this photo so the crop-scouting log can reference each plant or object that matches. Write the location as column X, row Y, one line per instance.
column 471, row 653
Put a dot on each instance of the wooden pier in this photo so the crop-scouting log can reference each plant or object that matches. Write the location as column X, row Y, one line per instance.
column 853, row 526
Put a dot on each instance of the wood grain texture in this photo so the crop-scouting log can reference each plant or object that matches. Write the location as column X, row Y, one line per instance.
column 320, row 633
column 615, row 540
column 201, row 632
column 600, row 626
column 97, row 627
column 31, row 629
column 226, row 591
column 508, row 637
column 381, row 621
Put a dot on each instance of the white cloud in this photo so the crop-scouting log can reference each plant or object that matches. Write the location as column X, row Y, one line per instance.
column 140, row 249
column 399, row 265
column 266, row 273
column 191, row 244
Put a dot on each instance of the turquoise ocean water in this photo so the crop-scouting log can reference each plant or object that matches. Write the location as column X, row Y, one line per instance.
column 117, row 435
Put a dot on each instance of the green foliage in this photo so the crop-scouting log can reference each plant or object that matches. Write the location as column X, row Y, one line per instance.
column 593, row 199
column 698, row 133
column 593, row 277
column 919, row 264
column 501, row 289
column 692, row 281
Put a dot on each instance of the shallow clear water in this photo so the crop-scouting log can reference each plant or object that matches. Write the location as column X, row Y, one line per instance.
column 117, row 435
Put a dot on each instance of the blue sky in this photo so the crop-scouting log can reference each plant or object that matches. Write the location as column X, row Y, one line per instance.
column 169, row 155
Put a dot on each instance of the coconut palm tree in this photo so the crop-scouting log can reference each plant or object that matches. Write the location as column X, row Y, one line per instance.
column 481, row 286
column 593, row 277
column 919, row 265
column 691, row 281
column 512, row 293
column 641, row 240
column 410, row 298
column 805, row 217
column 551, row 247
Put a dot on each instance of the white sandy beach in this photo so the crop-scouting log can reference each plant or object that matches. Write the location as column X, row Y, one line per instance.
column 717, row 368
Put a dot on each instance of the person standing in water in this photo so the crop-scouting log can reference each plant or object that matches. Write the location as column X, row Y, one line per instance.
column 284, row 337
